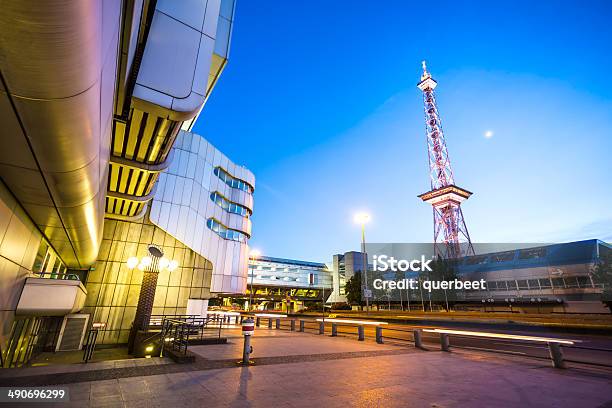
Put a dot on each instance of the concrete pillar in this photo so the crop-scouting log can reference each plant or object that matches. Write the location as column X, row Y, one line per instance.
column 360, row 333
column 292, row 325
column 418, row 338
column 278, row 323
column 269, row 323
column 334, row 329
column 321, row 328
column 379, row 336
column 444, row 342
column 556, row 355
column 302, row 325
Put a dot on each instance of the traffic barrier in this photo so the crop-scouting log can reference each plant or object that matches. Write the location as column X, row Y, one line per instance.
column 379, row 335
column 444, row 342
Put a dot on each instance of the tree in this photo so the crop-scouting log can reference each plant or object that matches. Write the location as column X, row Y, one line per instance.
column 353, row 290
column 602, row 275
column 441, row 270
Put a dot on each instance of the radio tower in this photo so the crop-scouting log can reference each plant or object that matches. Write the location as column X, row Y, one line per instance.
column 451, row 237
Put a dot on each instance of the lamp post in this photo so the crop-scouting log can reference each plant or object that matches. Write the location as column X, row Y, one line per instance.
column 254, row 254
column 362, row 218
column 151, row 265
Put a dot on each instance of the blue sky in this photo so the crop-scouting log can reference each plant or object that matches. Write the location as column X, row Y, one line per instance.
column 319, row 101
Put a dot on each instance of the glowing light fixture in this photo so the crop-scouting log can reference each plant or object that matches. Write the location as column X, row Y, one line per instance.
column 349, row 321
column 146, row 261
column 132, row 262
column 361, row 218
column 502, row 336
column 164, row 262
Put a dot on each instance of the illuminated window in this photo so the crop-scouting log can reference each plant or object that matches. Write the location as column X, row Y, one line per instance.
column 226, row 233
column 228, row 205
column 233, row 181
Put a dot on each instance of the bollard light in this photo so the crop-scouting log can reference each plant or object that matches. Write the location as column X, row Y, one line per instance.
column 248, row 329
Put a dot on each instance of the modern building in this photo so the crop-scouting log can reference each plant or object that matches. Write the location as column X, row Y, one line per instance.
column 284, row 284
column 200, row 217
column 344, row 267
column 554, row 278
column 92, row 110
column 557, row 278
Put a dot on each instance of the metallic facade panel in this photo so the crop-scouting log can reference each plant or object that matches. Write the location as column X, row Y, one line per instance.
column 61, row 88
column 182, row 206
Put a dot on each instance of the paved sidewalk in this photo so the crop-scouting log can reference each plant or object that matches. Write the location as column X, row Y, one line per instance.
column 342, row 372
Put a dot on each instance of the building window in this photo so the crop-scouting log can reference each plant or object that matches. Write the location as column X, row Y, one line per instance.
column 545, row 283
column 533, row 284
column 233, row 181
column 228, row 205
column 558, row 283
column 584, row 282
column 571, row 282
column 226, row 233
column 532, row 253
column 503, row 256
column 476, row 260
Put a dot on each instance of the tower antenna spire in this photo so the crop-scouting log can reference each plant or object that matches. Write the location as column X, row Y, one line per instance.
column 451, row 237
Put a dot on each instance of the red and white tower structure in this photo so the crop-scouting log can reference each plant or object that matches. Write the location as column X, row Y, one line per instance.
column 451, row 237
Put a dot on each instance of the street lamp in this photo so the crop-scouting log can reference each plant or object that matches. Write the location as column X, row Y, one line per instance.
column 254, row 254
column 151, row 265
column 362, row 218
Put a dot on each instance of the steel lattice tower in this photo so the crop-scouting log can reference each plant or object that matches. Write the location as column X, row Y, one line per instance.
column 451, row 237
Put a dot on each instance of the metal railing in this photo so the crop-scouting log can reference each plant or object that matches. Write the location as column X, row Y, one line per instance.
column 557, row 350
column 177, row 331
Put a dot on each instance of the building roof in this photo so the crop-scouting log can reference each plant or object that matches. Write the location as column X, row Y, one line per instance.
column 291, row 262
column 579, row 252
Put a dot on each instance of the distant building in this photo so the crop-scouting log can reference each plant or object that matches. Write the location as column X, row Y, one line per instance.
column 554, row 277
column 344, row 267
column 284, row 284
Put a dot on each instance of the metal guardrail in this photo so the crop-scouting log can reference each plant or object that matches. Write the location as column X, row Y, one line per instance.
column 552, row 348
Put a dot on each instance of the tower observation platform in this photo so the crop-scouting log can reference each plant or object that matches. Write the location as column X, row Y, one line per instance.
column 451, row 237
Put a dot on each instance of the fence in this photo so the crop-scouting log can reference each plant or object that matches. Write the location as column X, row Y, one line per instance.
column 559, row 351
